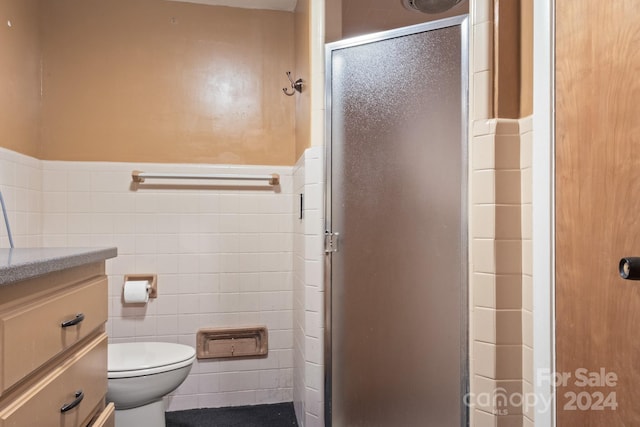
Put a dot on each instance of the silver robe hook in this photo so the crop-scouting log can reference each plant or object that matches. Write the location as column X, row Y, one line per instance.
column 296, row 86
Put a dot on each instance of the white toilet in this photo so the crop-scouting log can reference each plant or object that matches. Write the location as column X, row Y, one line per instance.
column 140, row 375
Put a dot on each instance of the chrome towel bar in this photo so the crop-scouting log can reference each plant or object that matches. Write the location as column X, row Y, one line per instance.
column 139, row 176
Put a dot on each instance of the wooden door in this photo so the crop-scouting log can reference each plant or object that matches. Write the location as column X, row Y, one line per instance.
column 597, row 211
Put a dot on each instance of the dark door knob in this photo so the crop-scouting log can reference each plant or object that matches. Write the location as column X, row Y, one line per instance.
column 629, row 268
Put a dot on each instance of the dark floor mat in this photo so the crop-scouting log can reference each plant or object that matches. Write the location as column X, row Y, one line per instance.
column 278, row 415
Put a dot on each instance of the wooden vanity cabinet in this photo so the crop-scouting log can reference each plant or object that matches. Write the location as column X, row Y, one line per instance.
column 53, row 350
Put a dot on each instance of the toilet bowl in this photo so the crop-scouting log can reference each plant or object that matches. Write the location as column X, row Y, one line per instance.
column 140, row 375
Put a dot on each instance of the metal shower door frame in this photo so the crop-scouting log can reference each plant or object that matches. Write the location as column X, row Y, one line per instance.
column 463, row 22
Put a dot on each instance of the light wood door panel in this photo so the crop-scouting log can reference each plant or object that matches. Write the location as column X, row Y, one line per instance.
column 597, row 208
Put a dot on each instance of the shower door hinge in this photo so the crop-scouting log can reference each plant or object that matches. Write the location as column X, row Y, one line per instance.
column 330, row 242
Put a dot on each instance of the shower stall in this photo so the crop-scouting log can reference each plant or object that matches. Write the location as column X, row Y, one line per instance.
column 396, row 284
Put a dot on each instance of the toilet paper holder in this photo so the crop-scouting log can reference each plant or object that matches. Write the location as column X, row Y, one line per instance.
column 151, row 278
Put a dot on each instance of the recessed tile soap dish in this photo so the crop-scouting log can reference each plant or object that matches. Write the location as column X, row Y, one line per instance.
column 215, row 343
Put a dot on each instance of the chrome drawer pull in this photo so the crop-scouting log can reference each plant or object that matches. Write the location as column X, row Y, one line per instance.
column 79, row 318
column 76, row 402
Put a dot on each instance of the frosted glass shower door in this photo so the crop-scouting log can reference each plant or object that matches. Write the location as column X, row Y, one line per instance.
column 397, row 288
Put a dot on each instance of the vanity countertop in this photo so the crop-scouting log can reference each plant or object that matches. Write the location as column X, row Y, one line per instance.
column 25, row 263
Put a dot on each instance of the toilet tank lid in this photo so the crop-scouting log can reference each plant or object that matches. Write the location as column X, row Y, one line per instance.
column 144, row 355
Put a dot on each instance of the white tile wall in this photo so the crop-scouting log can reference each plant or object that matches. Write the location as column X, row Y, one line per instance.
column 314, row 287
column 223, row 255
column 526, row 138
column 480, row 109
column 309, row 291
column 299, row 273
column 310, row 311
column 21, row 186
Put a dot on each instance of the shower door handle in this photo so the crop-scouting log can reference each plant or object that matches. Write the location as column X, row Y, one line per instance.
column 331, row 242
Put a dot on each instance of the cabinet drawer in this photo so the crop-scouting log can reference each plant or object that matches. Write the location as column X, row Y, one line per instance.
column 33, row 333
column 84, row 371
column 107, row 418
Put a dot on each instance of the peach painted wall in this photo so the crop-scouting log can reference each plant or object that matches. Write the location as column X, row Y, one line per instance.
column 526, row 58
column 146, row 80
column 513, row 59
column 303, row 70
column 157, row 81
column 368, row 16
column 333, row 24
column 19, row 76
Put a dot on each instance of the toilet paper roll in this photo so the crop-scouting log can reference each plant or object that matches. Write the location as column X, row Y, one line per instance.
column 136, row 291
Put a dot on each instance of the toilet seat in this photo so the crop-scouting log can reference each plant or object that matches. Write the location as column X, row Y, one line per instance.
column 126, row 360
